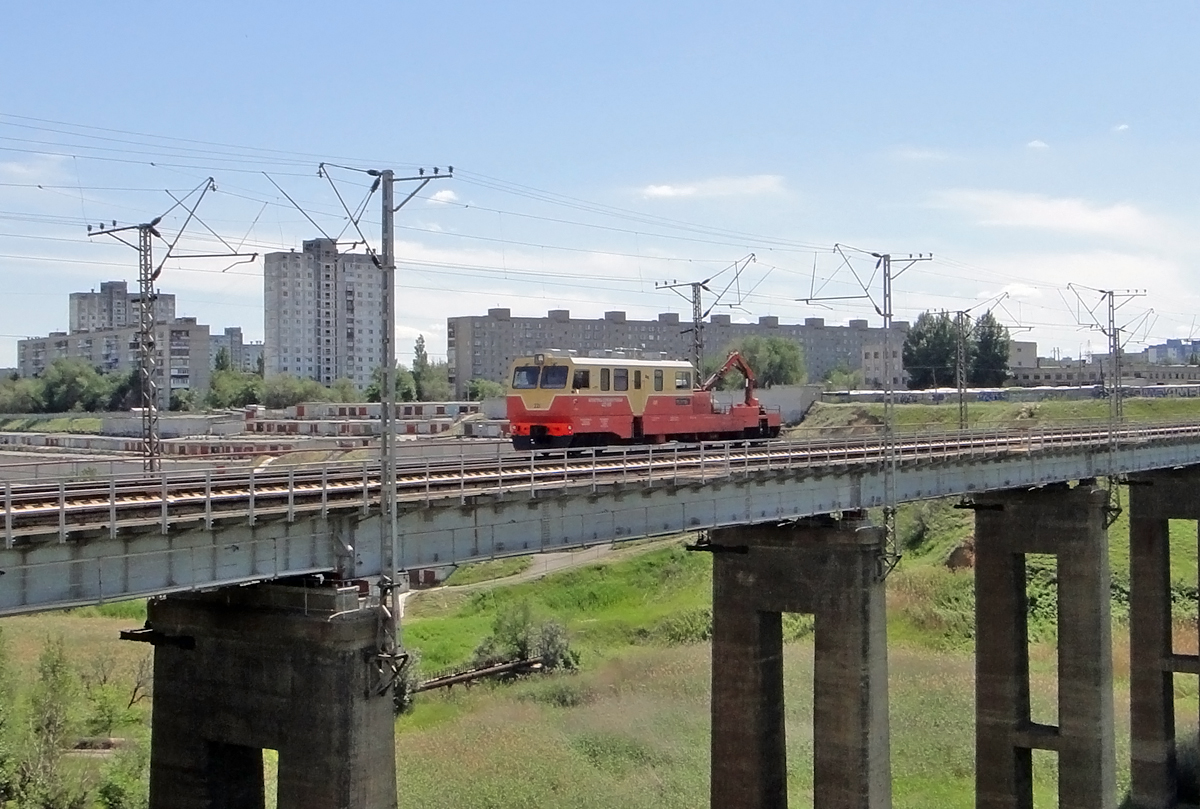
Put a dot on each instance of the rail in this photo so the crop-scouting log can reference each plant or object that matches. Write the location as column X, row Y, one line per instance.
column 36, row 512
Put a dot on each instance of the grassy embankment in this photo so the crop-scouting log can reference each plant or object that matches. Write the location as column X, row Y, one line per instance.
column 51, row 424
column 631, row 729
column 853, row 418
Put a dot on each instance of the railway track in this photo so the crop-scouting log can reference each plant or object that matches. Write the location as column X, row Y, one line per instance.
column 34, row 513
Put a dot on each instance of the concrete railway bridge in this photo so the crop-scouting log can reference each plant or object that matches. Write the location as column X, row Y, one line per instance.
column 251, row 653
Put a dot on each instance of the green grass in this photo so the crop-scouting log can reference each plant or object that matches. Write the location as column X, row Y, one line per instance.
column 475, row 572
column 605, row 606
column 631, row 729
column 60, row 424
column 843, row 419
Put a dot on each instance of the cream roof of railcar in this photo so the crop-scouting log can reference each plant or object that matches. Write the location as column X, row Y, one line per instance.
column 555, row 358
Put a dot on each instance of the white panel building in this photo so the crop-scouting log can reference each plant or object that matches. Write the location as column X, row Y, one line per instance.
column 324, row 316
column 181, row 354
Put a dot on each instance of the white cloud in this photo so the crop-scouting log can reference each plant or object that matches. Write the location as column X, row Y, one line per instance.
column 443, row 195
column 1015, row 290
column 916, row 154
column 1121, row 128
column 751, row 185
column 1064, row 214
column 40, row 168
column 1037, row 144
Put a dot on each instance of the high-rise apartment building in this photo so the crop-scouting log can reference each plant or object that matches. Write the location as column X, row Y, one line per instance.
column 484, row 347
column 113, row 307
column 243, row 356
column 324, row 316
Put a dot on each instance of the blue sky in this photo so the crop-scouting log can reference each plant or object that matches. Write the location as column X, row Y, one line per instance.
column 1027, row 145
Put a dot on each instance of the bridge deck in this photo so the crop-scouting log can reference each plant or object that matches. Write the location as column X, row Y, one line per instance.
column 82, row 542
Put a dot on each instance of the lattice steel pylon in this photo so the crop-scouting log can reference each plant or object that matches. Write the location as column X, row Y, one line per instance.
column 698, row 288
column 147, row 359
column 150, row 398
column 960, row 365
column 891, row 552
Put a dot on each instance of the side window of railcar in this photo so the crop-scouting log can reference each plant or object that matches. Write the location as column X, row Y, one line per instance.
column 525, row 377
column 621, row 379
column 555, row 376
column 683, row 380
column 582, row 379
column 658, row 379
column 637, row 380
column 604, row 372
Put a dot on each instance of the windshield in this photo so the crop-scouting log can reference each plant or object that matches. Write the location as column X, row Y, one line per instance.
column 525, row 377
column 555, row 376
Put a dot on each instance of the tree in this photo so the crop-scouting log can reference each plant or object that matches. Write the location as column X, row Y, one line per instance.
column 420, row 364
column 343, row 390
column 989, row 366
column 42, row 781
column 929, row 351
column 479, row 389
column 21, row 396
column 775, row 360
column 434, row 385
column 406, row 387
column 71, row 385
column 182, row 400
column 235, row 389
column 842, row 378
column 222, row 362
column 126, row 390
column 285, row 390
column 260, row 366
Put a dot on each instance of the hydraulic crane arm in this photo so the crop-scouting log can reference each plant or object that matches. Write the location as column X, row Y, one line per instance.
column 734, row 360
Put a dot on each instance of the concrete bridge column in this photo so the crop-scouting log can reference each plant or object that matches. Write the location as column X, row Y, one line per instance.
column 1154, row 499
column 1069, row 523
column 271, row 666
column 831, row 569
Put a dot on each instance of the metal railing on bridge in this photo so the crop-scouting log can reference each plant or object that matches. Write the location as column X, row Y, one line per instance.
column 57, row 509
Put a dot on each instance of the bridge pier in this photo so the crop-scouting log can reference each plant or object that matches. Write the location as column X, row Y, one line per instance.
column 1070, row 524
column 276, row 667
column 830, row 569
column 1154, row 499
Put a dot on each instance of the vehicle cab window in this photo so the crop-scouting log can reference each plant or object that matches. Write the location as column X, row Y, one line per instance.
column 554, row 377
column 525, row 377
column 683, row 380
column 658, row 379
column 582, row 379
column 621, row 379
column 604, row 379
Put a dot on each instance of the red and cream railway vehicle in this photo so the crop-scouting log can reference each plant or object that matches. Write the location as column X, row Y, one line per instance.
column 558, row 400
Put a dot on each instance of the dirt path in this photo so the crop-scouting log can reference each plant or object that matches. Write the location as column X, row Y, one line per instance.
column 547, row 563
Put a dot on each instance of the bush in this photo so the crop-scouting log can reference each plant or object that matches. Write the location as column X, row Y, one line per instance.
column 126, row 783
column 42, row 781
column 554, row 648
column 687, row 626
column 404, row 692
column 561, row 692
column 515, row 636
